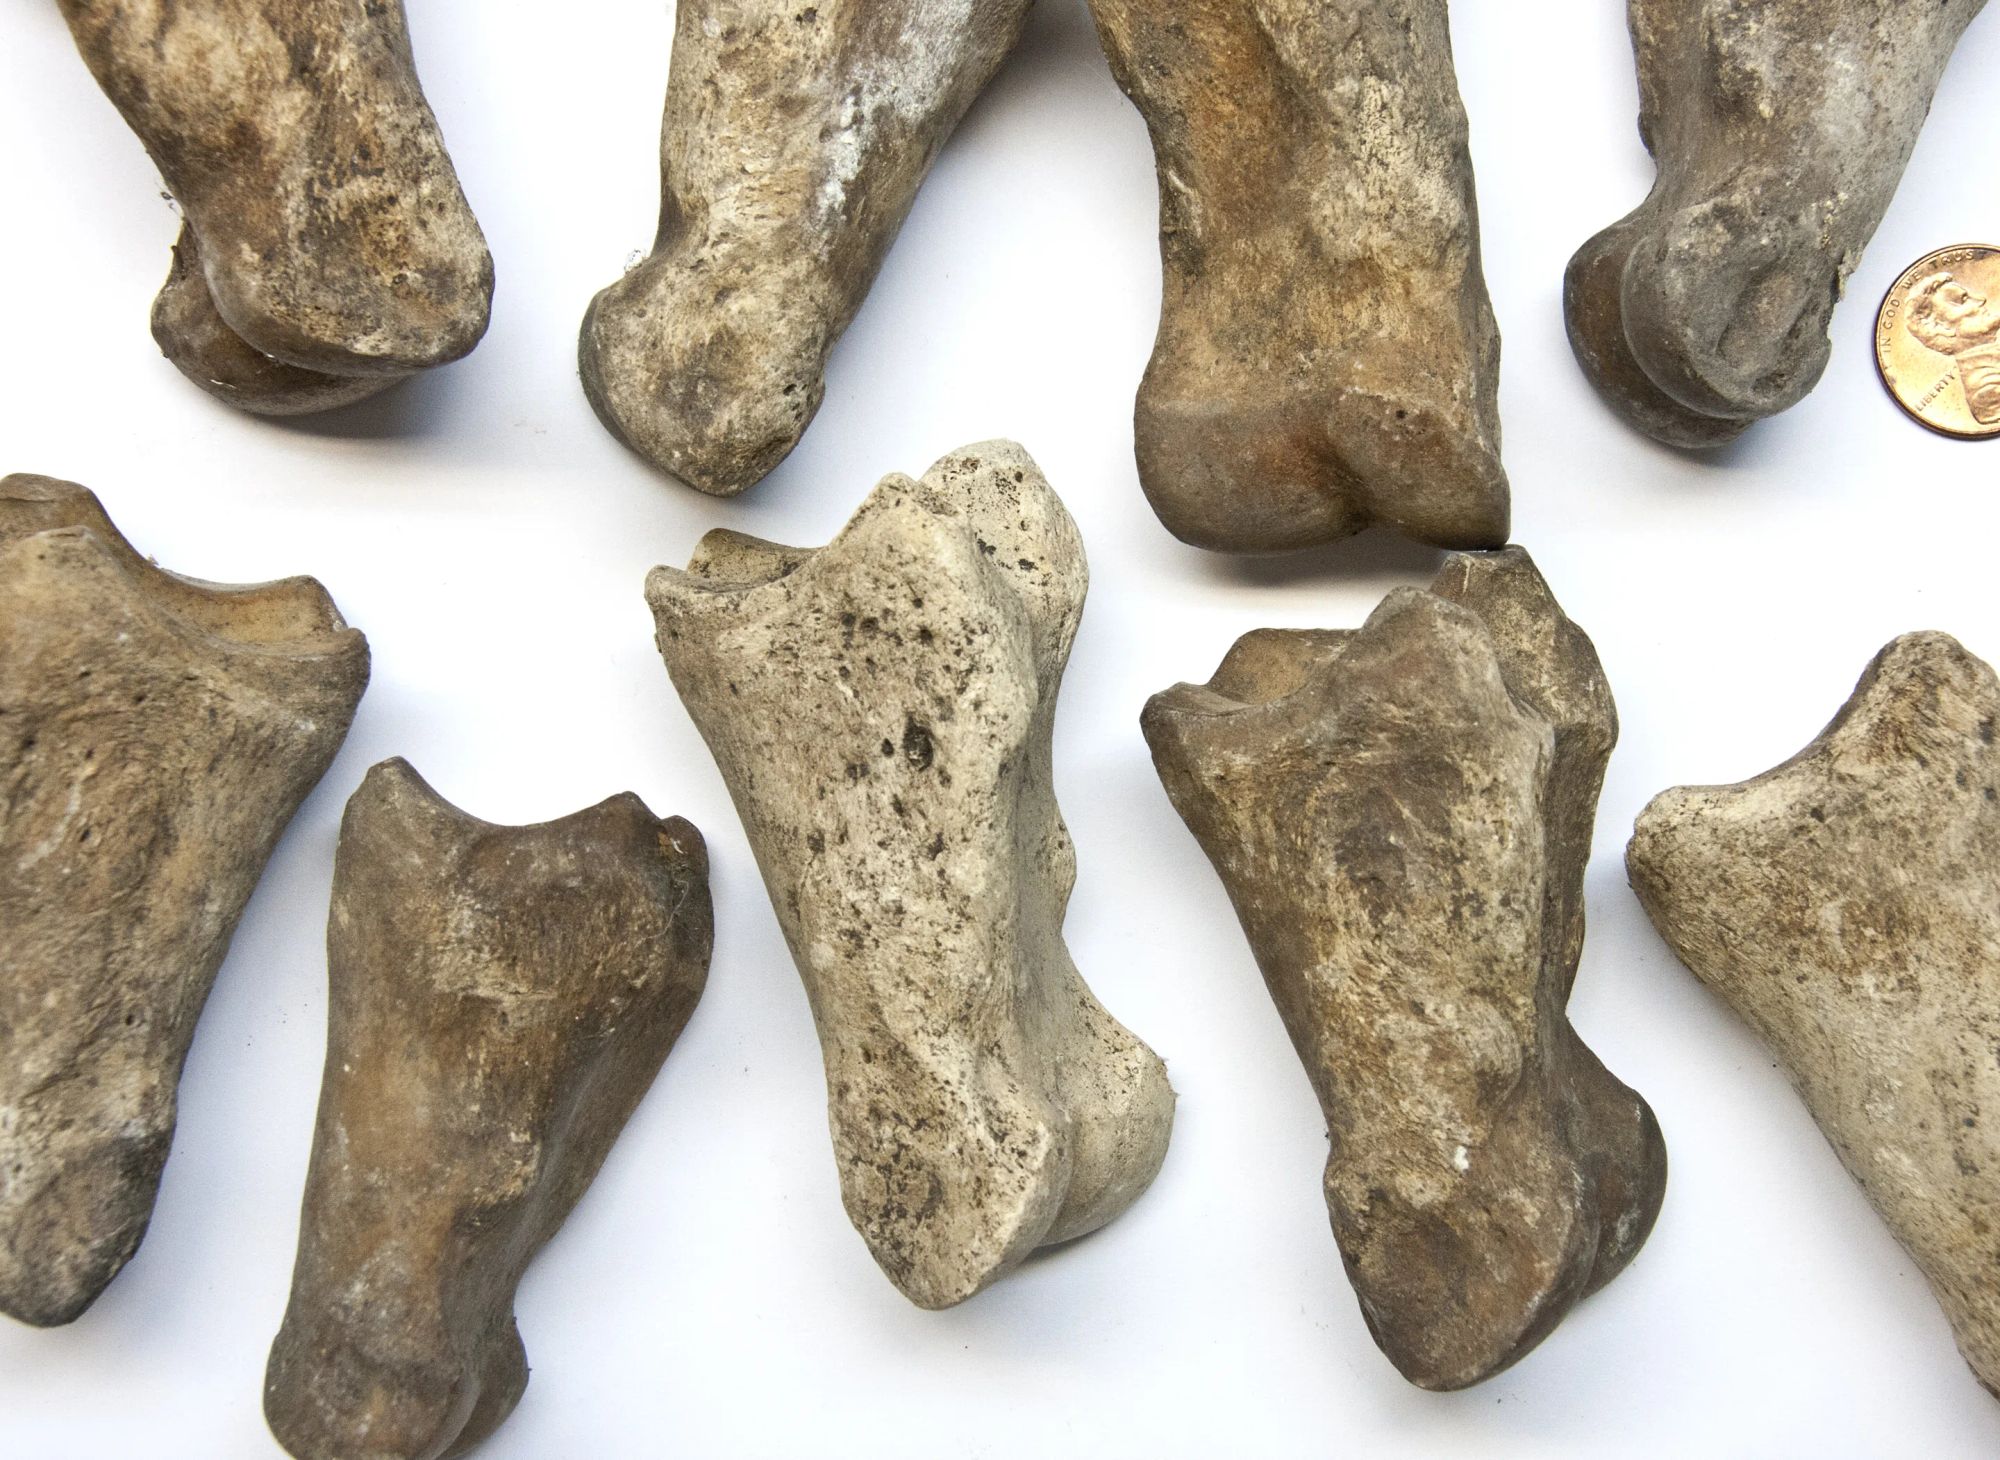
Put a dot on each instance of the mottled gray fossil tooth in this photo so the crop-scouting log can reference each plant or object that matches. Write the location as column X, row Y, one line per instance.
column 794, row 142
column 325, row 231
column 500, row 1000
column 1402, row 817
column 1327, row 358
column 1781, row 128
column 881, row 709
column 1847, row 906
column 156, row 735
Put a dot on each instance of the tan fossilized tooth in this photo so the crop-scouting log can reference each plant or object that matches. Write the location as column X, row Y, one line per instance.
column 881, row 709
column 1847, row 906
column 156, row 735
column 794, row 142
column 1781, row 128
column 500, row 999
column 1327, row 357
column 1402, row 817
column 325, row 231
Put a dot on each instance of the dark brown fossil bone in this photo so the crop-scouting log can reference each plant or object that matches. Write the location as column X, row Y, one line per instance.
column 1327, row 358
column 1781, row 128
column 327, row 250
column 794, row 142
column 501, row 999
column 1402, row 816
column 156, row 735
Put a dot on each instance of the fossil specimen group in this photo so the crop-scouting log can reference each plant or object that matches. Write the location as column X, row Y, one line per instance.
column 1402, row 814
column 1327, row 358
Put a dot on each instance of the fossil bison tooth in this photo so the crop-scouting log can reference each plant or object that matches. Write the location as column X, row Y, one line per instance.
column 500, row 998
column 156, row 735
column 1781, row 129
column 794, row 142
column 1402, row 817
column 881, row 709
column 1327, row 357
column 1847, row 906
column 333, row 236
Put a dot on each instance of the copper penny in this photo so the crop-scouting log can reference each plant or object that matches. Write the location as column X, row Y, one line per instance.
column 1937, row 341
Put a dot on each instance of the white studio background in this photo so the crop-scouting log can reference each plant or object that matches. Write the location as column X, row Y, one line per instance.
column 708, row 1298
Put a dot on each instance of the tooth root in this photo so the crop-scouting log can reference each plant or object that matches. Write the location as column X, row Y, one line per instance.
column 1327, row 357
column 1402, row 818
column 881, row 709
column 1781, row 130
column 1847, row 906
column 500, row 1000
column 794, row 142
column 156, row 736
column 334, row 237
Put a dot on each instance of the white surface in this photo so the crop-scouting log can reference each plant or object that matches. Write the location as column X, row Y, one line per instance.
column 708, row 1298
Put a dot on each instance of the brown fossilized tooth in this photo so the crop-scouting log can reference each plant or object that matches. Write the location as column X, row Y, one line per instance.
column 881, row 709
column 795, row 139
column 500, row 1000
column 1402, row 816
column 1327, row 357
column 326, row 234
column 1847, row 906
column 156, row 735
column 1781, row 128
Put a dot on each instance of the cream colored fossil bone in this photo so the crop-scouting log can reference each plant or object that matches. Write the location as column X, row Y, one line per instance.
column 1327, row 358
column 1847, row 906
column 794, row 142
column 156, row 735
column 500, row 1000
column 327, row 249
column 1781, row 128
column 881, row 709
column 1402, row 816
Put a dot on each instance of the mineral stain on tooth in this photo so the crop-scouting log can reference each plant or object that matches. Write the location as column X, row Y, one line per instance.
column 1327, row 358
column 1781, row 128
column 500, row 1000
column 882, row 709
column 1847, row 906
column 794, row 142
column 156, row 736
column 1402, row 817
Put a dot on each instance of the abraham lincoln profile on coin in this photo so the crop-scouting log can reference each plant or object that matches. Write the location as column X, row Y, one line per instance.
column 1954, row 320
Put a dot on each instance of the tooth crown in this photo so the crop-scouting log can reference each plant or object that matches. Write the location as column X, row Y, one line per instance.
column 882, row 709
column 1847, row 906
column 1402, row 818
column 501, row 999
column 156, row 735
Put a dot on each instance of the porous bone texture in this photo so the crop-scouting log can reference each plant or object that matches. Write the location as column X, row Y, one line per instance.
column 881, row 709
